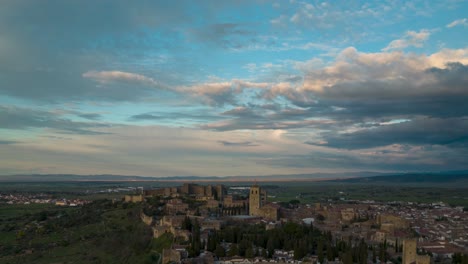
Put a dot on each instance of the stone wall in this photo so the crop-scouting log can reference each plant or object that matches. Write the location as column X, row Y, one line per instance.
column 146, row 218
column 398, row 222
column 133, row 198
column 170, row 255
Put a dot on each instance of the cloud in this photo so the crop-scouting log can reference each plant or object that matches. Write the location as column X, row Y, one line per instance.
column 392, row 158
column 411, row 39
column 237, row 144
column 185, row 118
column 46, row 62
column 8, row 142
column 379, row 78
column 458, row 22
column 262, row 123
column 90, row 116
column 26, row 118
column 221, row 93
column 372, row 100
column 280, row 21
column 147, row 116
column 118, row 76
column 419, row 131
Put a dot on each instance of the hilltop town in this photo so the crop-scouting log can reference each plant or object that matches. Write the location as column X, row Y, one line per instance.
column 213, row 224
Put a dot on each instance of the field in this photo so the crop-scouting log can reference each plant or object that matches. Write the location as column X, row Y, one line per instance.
column 320, row 192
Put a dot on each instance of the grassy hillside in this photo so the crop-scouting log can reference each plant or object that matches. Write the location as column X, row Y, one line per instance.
column 100, row 232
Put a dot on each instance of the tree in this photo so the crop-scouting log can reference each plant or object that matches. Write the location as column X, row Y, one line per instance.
column 382, row 253
column 187, row 224
column 300, row 250
column 362, row 252
column 330, row 256
column 219, row 251
column 374, row 255
column 249, row 252
column 320, row 251
column 320, row 217
column 348, row 257
column 233, row 251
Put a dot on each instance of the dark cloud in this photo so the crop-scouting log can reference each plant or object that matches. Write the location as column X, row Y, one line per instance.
column 146, row 117
column 238, row 144
column 90, row 116
column 57, row 138
column 431, row 159
column 444, row 96
column 421, row 131
column 243, row 112
column 44, row 54
column 264, row 124
column 8, row 142
column 25, row 118
column 199, row 116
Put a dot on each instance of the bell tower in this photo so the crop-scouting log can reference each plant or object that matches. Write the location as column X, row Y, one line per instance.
column 255, row 201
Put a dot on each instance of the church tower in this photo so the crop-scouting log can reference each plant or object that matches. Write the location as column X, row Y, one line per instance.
column 255, row 201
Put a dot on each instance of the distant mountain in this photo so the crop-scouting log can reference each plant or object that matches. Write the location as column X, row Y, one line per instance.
column 453, row 178
column 353, row 177
column 106, row 177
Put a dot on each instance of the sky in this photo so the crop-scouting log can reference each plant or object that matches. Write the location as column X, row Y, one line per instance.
column 218, row 88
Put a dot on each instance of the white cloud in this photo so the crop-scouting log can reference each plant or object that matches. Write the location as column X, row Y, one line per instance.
column 221, row 92
column 458, row 22
column 119, row 76
column 441, row 58
column 279, row 21
column 411, row 39
column 354, row 66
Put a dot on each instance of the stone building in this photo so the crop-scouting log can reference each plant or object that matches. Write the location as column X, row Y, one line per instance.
column 175, row 206
column 170, row 256
column 255, row 202
column 410, row 254
column 398, row 222
column 172, row 220
column 211, row 224
column 161, row 230
column 133, row 198
column 230, row 201
column 258, row 205
column 348, row 214
column 212, row 204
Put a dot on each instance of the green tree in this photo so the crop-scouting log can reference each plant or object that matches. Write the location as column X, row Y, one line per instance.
column 300, row 250
column 219, row 251
column 374, row 255
column 187, row 224
column 233, row 251
column 348, row 257
column 249, row 252
column 330, row 255
column 320, row 251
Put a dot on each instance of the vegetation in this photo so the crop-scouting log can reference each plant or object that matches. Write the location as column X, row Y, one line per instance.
column 254, row 240
column 459, row 258
column 100, row 232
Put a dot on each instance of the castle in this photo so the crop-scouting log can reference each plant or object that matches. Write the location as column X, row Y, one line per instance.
column 258, row 205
